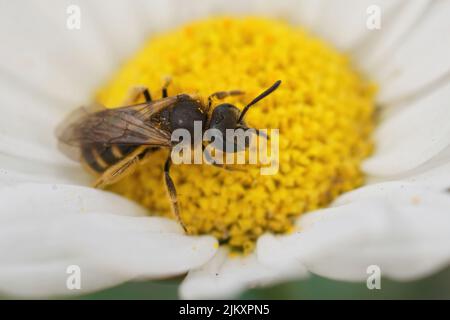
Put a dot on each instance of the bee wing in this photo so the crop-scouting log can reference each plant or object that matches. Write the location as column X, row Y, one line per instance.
column 127, row 125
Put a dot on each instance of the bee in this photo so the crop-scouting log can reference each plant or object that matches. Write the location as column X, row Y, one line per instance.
column 112, row 142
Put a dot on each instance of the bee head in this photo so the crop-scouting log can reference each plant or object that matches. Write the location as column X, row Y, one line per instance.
column 227, row 116
column 224, row 116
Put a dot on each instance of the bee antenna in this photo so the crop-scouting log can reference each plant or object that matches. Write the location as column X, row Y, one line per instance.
column 260, row 97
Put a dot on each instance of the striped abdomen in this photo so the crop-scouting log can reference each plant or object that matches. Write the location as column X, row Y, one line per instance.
column 99, row 157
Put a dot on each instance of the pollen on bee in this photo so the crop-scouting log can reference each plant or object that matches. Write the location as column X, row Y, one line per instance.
column 324, row 112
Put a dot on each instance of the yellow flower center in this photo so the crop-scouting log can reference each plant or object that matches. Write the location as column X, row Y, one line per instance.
column 324, row 110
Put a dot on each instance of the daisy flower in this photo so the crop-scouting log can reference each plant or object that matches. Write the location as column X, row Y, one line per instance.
column 364, row 168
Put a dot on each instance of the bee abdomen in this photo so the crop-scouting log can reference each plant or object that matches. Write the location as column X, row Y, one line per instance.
column 99, row 157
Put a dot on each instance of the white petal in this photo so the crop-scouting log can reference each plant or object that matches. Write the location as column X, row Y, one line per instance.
column 140, row 18
column 413, row 136
column 69, row 175
column 386, row 191
column 270, row 254
column 27, row 126
column 225, row 276
column 26, row 149
column 420, row 61
column 26, row 115
column 306, row 12
column 46, row 228
column 377, row 49
column 433, row 173
column 345, row 24
column 42, row 54
column 33, row 198
column 403, row 231
column 436, row 178
column 28, row 146
column 15, row 170
column 39, row 58
column 181, row 13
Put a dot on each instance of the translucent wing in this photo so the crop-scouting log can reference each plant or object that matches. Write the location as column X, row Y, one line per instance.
column 129, row 125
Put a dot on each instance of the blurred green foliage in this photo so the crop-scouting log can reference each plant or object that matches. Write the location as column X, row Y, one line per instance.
column 436, row 286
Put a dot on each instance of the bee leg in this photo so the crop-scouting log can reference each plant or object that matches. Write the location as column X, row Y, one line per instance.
column 222, row 95
column 120, row 169
column 167, row 82
column 147, row 96
column 135, row 93
column 172, row 192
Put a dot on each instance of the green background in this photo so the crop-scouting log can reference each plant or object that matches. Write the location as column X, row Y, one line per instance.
column 436, row 286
